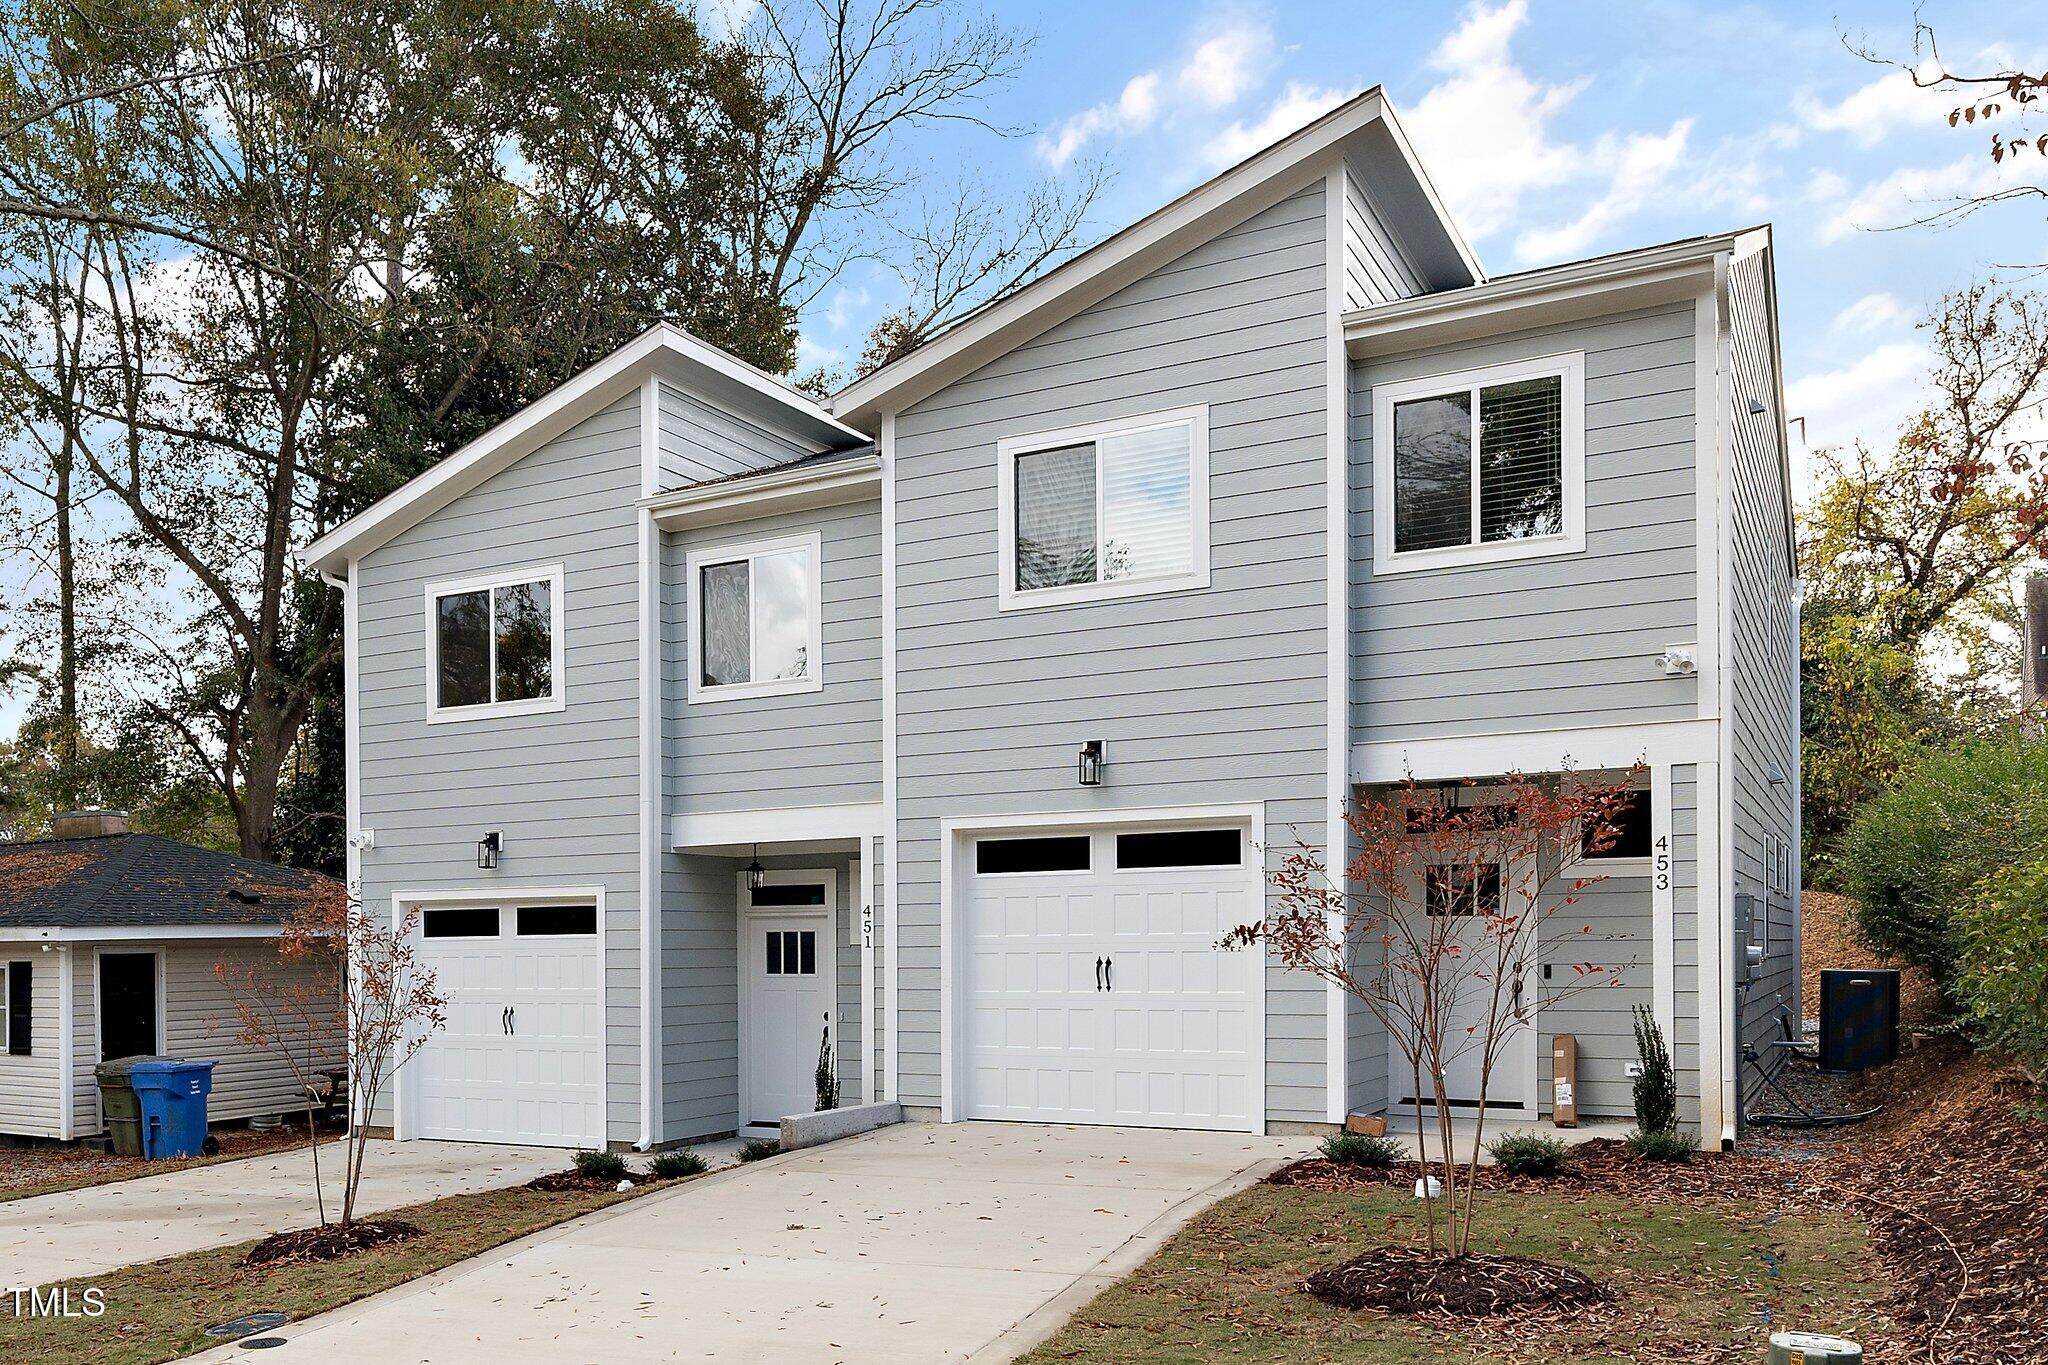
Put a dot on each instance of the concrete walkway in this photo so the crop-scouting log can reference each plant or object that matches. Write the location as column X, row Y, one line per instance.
column 918, row 1243
column 54, row 1237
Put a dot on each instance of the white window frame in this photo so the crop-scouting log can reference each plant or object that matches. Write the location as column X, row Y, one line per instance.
column 1009, row 597
column 1571, row 367
column 812, row 542
column 558, row 692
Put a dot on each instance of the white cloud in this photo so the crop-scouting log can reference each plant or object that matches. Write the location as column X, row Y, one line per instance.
column 1296, row 107
column 1484, row 130
column 1215, row 75
column 723, row 18
column 1226, row 66
column 1643, row 164
column 1918, row 192
column 815, row 355
column 1868, row 314
column 1867, row 114
column 1866, row 399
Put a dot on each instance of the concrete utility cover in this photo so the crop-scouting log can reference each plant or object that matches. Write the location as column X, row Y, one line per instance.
column 913, row 1244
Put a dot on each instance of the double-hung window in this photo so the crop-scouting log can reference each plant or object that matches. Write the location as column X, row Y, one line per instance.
column 494, row 644
column 1114, row 509
column 1480, row 466
column 754, row 619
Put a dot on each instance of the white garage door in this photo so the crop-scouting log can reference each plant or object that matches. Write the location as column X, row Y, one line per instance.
column 521, row 1057
column 1095, row 992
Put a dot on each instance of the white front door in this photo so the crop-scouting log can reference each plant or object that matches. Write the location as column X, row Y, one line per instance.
column 789, row 962
column 1095, row 992
column 522, row 1056
column 1456, row 900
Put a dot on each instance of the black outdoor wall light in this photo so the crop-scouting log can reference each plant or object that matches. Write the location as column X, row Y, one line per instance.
column 487, row 850
column 1091, row 763
column 757, row 875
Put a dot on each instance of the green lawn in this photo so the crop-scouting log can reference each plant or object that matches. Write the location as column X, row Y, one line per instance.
column 1693, row 1280
column 160, row 1311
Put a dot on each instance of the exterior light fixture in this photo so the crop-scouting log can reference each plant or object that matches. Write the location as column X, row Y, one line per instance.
column 487, row 850
column 757, row 875
column 1090, row 767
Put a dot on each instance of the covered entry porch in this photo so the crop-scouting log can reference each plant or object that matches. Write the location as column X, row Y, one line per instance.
column 767, row 938
column 1635, row 927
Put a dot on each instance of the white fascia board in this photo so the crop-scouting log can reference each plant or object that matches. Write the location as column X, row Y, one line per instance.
column 1566, row 293
column 1399, row 135
column 857, row 478
column 1585, row 749
column 1289, row 165
column 662, row 350
column 725, row 830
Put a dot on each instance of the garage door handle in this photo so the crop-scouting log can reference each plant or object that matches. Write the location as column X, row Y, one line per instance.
column 505, row 1019
column 1098, row 973
column 1109, row 973
column 512, row 1019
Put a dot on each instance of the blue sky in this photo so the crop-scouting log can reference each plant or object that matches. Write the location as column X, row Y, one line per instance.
column 1556, row 131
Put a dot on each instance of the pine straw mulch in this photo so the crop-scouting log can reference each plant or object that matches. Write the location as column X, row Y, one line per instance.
column 575, row 1182
column 1955, row 1191
column 331, row 1242
column 1410, row 1281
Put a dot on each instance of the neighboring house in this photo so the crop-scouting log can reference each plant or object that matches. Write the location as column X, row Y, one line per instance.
column 1014, row 666
column 112, row 945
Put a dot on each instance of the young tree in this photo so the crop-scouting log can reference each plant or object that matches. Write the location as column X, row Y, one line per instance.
column 1435, row 926
column 347, row 984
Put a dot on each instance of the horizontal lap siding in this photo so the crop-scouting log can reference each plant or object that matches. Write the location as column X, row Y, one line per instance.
column 30, row 1087
column 562, row 787
column 1204, row 697
column 1376, row 270
column 697, row 441
column 200, row 1021
column 1763, row 729
column 1684, row 1042
column 806, row 749
column 1557, row 641
column 1608, row 929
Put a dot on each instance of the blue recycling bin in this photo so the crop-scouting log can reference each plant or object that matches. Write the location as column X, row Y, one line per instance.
column 173, row 1095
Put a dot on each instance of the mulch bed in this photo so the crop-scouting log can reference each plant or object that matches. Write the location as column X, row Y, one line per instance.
column 74, row 1165
column 1602, row 1166
column 333, row 1242
column 575, row 1182
column 1403, row 1280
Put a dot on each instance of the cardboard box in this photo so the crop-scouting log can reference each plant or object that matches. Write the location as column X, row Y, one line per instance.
column 1371, row 1125
column 1564, row 1081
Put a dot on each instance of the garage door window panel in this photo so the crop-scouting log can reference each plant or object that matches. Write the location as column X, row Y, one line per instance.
column 460, row 922
column 1180, row 848
column 1003, row 857
column 551, row 921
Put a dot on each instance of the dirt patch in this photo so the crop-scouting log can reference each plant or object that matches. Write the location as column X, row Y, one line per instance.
column 331, row 1242
column 1407, row 1281
column 1602, row 1166
column 45, row 1169
column 1830, row 939
column 573, row 1182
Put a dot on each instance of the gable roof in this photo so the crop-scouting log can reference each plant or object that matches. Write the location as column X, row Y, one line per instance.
column 131, row 881
column 663, row 351
column 1364, row 128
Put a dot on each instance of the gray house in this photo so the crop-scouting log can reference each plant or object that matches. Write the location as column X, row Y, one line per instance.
column 942, row 726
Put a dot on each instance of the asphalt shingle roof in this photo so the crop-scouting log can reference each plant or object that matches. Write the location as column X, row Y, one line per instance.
column 142, row 880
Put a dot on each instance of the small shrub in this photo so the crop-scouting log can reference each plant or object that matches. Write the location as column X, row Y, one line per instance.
column 758, row 1148
column 676, row 1164
column 1667, row 1145
column 1656, row 1087
column 1916, row 855
column 600, row 1165
column 1362, row 1149
column 2002, row 974
column 825, row 1077
column 1527, row 1154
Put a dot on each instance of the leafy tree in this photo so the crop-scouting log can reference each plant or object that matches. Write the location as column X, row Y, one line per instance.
column 1910, row 630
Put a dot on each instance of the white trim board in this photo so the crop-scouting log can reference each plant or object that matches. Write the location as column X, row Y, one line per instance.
column 1251, row 814
column 730, row 831
column 140, row 933
column 1533, row 751
column 792, row 488
column 1337, row 617
column 649, row 556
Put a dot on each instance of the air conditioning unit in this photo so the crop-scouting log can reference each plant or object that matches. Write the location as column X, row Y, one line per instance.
column 1859, row 1019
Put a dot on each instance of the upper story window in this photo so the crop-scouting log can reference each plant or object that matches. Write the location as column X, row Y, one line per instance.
column 754, row 619
column 494, row 644
column 1480, row 466
column 1109, row 510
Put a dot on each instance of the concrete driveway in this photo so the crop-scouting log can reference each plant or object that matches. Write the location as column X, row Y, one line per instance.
column 86, row 1232
column 918, row 1243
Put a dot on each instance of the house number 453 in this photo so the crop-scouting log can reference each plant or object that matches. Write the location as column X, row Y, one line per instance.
column 1660, row 864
